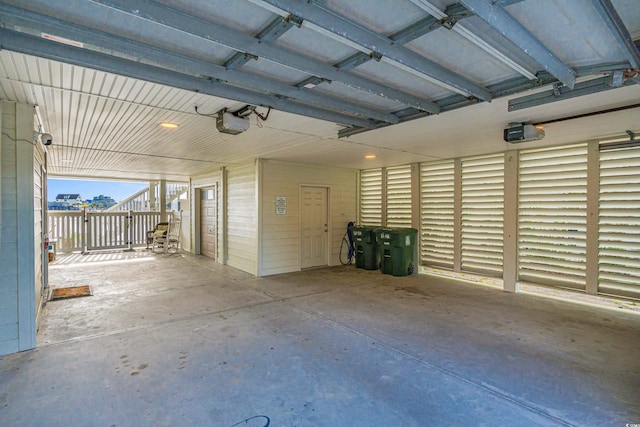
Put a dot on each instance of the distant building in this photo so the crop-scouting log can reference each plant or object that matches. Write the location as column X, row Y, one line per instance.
column 61, row 206
column 72, row 199
column 101, row 202
column 66, row 202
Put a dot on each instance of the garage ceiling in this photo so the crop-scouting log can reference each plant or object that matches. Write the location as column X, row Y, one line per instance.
column 406, row 80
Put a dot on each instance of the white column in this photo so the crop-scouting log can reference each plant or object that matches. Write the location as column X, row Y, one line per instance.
column 383, row 194
column 510, row 248
column 152, row 197
column 163, row 200
column 593, row 206
column 457, row 215
column 415, row 212
column 222, row 201
column 26, row 252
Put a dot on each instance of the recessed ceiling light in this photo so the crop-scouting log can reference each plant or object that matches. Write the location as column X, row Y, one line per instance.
column 370, row 156
column 168, row 125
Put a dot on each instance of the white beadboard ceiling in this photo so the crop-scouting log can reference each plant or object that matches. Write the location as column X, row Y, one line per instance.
column 138, row 63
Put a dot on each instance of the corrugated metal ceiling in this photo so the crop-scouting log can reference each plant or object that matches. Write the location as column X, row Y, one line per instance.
column 138, row 63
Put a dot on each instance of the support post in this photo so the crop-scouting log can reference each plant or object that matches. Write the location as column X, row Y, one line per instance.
column 510, row 235
column 152, row 197
column 457, row 215
column 593, row 208
column 163, row 200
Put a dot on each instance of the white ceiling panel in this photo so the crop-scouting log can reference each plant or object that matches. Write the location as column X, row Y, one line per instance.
column 572, row 29
column 385, row 18
column 403, row 80
column 305, row 41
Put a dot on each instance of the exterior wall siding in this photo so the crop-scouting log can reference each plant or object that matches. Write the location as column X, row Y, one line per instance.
column 281, row 234
column 38, row 224
column 241, row 224
column 17, row 263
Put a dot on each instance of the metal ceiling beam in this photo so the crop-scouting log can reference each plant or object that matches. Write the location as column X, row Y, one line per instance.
column 511, row 87
column 509, row 2
column 404, row 36
column 430, row 23
column 563, row 93
column 108, row 19
column 31, row 45
column 617, row 28
column 451, row 22
column 353, row 61
column 236, row 40
column 498, row 18
column 177, row 62
column 343, row 28
column 274, row 30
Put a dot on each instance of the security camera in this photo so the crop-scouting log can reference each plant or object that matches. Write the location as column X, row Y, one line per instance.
column 46, row 139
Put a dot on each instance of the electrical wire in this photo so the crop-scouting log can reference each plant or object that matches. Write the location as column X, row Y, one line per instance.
column 253, row 418
column 206, row 115
column 347, row 238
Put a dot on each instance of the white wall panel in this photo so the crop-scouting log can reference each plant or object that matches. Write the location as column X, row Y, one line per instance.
column 482, row 214
column 619, row 223
column 437, row 213
column 38, row 223
column 17, row 264
column 280, row 243
column 552, row 216
column 242, row 218
column 9, row 230
column 371, row 203
column 398, row 196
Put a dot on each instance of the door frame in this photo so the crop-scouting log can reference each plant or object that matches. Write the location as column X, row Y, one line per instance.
column 197, row 206
column 198, row 225
column 329, row 224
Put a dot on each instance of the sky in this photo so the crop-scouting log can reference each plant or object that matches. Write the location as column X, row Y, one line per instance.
column 118, row 190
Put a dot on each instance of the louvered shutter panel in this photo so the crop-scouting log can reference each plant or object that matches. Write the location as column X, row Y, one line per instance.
column 552, row 216
column 483, row 214
column 371, row 197
column 398, row 190
column 619, row 223
column 436, row 213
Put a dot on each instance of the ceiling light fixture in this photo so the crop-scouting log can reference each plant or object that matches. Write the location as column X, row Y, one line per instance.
column 370, row 156
column 169, row 125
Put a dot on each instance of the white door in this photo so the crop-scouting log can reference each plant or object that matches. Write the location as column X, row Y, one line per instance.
column 315, row 227
column 208, row 222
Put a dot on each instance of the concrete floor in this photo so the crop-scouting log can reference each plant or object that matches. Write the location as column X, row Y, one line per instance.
column 177, row 340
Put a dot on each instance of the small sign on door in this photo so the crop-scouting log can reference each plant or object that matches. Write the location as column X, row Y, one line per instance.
column 281, row 205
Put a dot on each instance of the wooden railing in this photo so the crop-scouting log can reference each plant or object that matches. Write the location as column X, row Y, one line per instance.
column 139, row 201
column 86, row 231
column 67, row 229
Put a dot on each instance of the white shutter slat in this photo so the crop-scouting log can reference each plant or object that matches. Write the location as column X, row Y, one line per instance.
column 436, row 213
column 552, row 198
column 371, row 197
column 398, row 191
column 482, row 214
column 619, row 223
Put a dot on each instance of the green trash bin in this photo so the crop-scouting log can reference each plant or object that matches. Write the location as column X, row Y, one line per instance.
column 364, row 241
column 396, row 246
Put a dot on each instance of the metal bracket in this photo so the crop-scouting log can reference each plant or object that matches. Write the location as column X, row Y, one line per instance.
column 616, row 79
column 448, row 22
column 294, row 19
column 556, row 89
column 376, row 56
